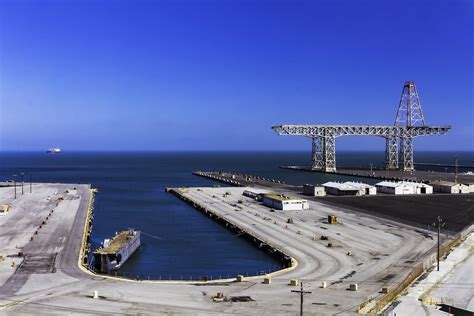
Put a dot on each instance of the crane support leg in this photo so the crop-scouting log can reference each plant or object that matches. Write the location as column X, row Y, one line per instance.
column 406, row 154
column 329, row 154
column 317, row 153
column 391, row 153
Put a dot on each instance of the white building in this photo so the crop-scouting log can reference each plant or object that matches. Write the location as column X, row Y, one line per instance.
column 422, row 188
column 339, row 188
column 450, row 187
column 404, row 187
column 313, row 190
column 364, row 188
column 285, row 202
column 395, row 187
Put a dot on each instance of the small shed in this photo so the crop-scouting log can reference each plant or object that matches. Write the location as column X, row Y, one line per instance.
column 450, row 187
column 339, row 188
column 285, row 202
column 313, row 190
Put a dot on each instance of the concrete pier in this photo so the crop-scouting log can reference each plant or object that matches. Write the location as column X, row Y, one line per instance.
column 398, row 175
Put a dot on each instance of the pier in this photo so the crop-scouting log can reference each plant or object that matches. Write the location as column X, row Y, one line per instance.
column 357, row 248
column 398, row 175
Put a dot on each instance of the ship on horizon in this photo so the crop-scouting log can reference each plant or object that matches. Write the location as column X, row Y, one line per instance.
column 55, row 150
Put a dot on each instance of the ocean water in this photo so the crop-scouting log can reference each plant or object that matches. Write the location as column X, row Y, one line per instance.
column 178, row 241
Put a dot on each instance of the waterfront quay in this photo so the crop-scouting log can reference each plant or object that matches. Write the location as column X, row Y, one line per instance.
column 363, row 251
column 370, row 252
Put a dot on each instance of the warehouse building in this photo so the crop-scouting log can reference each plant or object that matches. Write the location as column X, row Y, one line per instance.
column 313, row 190
column 394, row 187
column 403, row 187
column 285, row 202
column 364, row 188
column 339, row 188
column 450, row 187
column 422, row 188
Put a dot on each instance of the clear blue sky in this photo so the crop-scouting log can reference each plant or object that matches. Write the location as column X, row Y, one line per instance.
column 215, row 75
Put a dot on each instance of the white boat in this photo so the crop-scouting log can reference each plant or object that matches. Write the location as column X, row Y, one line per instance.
column 114, row 252
column 55, row 150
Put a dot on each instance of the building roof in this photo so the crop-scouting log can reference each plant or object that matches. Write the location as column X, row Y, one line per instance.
column 390, row 184
column 340, row 186
column 312, row 185
column 282, row 197
column 358, row 185
column 394, row 184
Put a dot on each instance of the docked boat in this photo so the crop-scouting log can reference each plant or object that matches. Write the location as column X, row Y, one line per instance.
column 114, row 252
column 55, row 150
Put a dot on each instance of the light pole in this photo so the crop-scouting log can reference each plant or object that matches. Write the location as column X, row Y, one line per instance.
column 439, row 223
column 30, row 182
column 22, row 182
column 371, row 173
column 14, row 183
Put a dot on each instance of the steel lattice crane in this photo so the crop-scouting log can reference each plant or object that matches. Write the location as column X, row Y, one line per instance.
column 409, row 123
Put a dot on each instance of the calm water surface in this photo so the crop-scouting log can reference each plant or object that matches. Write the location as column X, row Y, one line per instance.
column 185, row 243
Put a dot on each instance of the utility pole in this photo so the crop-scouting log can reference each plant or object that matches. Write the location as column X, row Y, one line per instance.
column 30, row 183
column 301, row 297
column 439, row 223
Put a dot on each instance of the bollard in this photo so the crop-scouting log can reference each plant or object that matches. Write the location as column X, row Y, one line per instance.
column 324, row 284
column 267, row 280
column 353, row 287
column 95, row 294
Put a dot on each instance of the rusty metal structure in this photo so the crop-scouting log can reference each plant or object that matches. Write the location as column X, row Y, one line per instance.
column 409, row 123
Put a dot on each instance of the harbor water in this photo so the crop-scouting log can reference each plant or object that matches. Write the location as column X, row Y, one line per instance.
column 178, row 241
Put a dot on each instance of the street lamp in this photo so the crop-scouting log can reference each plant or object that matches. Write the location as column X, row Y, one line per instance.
column 30, row 182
